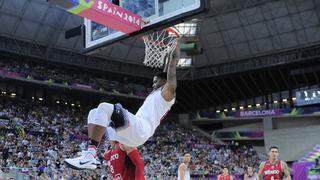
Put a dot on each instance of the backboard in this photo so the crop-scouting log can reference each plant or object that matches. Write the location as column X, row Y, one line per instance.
column 158, row 14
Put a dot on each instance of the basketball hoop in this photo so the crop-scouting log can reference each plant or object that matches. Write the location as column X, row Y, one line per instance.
column 158, row 45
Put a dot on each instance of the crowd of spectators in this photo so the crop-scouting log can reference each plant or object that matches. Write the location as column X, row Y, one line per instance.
column 69, row 77
column 35, row 139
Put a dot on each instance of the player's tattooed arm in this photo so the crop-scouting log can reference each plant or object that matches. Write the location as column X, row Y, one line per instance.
column 169, row 90
column 286, row 171
column 260, row 171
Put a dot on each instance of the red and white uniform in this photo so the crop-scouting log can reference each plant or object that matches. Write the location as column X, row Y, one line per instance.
column 116, row 158
column 222, row 177
column 272, row 171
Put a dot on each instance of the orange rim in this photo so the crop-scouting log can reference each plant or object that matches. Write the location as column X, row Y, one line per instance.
column 169, row 29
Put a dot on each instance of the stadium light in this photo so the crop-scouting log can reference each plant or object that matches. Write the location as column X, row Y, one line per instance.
column 66, row 103
column 233, row 109
column 241, row 107
column 294, row 98
column 57, row 102
column 225, row 110
column 32, row 97
column 40, row 99
column 258, row 105
column 13, row 95
column 275, row 102
column 184, row 62
column 284, row 100
column 217, row 111
column 249, row 106
column 72, row 104
column 79, row 105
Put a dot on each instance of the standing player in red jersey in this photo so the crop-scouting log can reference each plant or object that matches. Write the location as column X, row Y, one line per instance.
column 225, row 175
column 274, row 168
column 125, row 162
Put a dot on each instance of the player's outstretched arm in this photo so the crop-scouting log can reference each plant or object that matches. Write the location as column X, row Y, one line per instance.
column 169, row 90
column 260, row 171
column 286, row 170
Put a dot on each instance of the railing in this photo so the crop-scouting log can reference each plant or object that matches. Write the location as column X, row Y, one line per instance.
column 75, row 86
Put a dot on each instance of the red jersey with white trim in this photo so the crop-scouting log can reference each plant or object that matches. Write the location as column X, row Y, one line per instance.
column 272, row 171
column 222, row 177
column 116, row 158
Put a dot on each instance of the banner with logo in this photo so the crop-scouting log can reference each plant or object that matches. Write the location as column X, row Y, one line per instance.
column 83, row 86
column 103, row 12
column 204, row 146
column 259, row 113
column 239, row 135
column 7, row 73
column 263, row 113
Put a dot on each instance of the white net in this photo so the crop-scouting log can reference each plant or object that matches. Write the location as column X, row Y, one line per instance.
column 158, row 45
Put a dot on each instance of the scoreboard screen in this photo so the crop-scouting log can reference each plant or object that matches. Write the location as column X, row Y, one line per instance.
column 308, row 97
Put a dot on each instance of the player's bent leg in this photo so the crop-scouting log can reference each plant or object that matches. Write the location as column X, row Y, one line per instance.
column 103, row 113
column 127, row 128
column 96, row 127
column 119, row 118
column 115, row 115
column 87, row 159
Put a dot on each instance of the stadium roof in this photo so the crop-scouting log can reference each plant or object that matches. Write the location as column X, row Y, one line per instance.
column 231, row 30
column 251, row 47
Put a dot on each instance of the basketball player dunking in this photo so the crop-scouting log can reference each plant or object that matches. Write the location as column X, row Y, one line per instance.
column 225, row 175
column 183, row 171
column 274, row 168
column 130, row 129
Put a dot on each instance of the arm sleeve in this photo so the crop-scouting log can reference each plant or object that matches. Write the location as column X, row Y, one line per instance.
column 137, row 161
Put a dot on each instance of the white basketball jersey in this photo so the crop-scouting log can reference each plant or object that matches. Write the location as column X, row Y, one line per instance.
column 143, row 124
column 154, row 109
column 186, row 175
column 253, row 177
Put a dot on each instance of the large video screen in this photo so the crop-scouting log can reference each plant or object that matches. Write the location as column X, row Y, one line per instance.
column 308, row 97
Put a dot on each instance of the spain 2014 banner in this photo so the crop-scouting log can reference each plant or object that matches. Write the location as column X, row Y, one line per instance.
column 103, row 12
